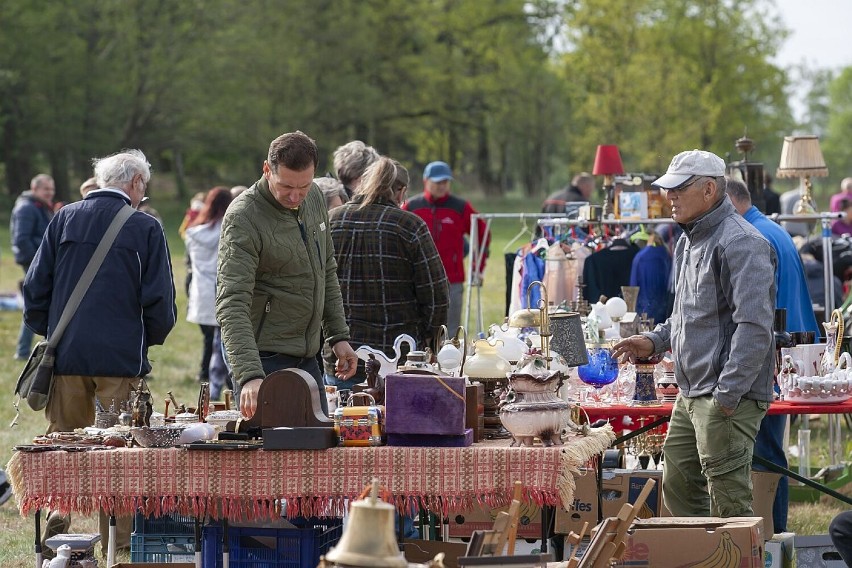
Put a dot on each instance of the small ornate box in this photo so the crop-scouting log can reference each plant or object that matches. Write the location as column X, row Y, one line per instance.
column 360, row 425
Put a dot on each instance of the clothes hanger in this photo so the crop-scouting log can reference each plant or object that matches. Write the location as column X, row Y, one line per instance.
column 524, row 232
column 641, row 235
column 618, row 242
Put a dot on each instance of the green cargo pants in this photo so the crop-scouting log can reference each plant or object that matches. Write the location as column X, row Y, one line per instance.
column 707, row 466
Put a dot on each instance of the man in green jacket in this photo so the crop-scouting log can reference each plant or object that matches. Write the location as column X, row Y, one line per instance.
column 277, row 277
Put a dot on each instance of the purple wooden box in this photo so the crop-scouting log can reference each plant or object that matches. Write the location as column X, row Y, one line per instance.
column 424, row 404
column 432, row 440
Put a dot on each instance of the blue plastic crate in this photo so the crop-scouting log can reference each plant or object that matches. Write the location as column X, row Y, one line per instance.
column 257, row 547
column 162, row 548
column 165, row 525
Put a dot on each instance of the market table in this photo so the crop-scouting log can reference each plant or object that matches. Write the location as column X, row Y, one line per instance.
column 249, row 484
column 665, row 409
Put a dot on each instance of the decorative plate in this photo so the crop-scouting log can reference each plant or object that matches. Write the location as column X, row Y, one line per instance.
column 816, row 399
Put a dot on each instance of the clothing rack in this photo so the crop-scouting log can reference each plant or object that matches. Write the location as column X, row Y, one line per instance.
column 478, row 249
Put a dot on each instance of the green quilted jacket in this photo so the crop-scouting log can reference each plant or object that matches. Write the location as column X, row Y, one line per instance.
column 277, row 280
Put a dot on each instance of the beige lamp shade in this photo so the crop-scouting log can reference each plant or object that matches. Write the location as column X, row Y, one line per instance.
column 801, row 156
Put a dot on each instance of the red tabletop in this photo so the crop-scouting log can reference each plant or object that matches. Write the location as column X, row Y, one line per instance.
column 665, row 409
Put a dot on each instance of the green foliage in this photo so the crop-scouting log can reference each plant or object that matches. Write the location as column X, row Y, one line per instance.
column 836, row 145
column 659, row 76
column 514, row 94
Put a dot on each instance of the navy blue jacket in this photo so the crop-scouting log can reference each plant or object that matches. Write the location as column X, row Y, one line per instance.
column 131, row 302
column 27, row 225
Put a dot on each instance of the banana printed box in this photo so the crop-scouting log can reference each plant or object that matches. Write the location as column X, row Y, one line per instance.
column 620, row 486
column 695, row 542
column 584, row 509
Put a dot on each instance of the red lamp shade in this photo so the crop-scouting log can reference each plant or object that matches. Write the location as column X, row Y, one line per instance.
column 607, row 161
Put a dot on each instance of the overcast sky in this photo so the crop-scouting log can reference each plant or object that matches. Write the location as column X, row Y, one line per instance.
column 819, row 37
column 820, row 32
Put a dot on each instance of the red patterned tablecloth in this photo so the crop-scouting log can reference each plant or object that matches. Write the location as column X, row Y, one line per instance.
column 251, row 483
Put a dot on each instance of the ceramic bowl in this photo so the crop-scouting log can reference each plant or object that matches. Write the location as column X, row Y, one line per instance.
column 157, row 436
column 220, row 418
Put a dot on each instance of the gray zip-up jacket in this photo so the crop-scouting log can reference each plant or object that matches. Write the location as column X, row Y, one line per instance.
column 720, row 331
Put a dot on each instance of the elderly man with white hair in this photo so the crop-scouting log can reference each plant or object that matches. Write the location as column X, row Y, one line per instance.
column 129, row 306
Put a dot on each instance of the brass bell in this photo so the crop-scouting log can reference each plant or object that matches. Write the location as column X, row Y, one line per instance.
column 369, row 538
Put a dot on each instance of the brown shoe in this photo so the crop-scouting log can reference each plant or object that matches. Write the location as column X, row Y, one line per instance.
column 54, row 524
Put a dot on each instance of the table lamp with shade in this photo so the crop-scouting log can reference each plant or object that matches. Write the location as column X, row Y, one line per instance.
column 608, row 164
column 801, row 157
column 616, row 308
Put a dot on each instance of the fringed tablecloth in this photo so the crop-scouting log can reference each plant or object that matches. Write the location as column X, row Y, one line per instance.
column 249, row 484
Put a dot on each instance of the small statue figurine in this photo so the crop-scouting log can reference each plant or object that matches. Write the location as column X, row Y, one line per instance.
column 141, row 405
column 375, row 382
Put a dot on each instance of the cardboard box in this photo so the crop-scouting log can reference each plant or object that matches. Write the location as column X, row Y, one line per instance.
column 778, row 551
column 668, row 542
column 620, row 486
column 482, row 518
column 584, row 509
column 425, row 404
column 422, row 551
column 814, row 551
column 764, row 485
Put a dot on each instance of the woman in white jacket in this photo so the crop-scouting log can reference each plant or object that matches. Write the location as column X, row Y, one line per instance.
column 202, row 246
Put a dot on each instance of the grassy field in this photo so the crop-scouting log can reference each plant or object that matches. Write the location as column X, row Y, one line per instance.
column 175, row 366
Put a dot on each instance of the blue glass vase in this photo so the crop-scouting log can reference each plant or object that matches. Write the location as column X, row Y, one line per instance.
column 602, row 368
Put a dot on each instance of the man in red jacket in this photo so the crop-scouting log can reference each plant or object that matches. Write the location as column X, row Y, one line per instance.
column 448, row 219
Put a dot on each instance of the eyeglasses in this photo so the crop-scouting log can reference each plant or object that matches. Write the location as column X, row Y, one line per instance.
column 689, row 183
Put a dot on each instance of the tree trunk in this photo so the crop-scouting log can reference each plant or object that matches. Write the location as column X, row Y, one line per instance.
column 180, row 178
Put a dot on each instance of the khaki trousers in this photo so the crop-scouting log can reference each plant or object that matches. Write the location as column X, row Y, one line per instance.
column 707, row 467
column 72, row 406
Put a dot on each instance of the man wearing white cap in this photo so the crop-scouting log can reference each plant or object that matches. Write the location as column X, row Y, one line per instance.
column 448, row 219
column 720, row 334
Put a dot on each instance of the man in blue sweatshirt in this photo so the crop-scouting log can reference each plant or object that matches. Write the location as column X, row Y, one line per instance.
column 792, row 295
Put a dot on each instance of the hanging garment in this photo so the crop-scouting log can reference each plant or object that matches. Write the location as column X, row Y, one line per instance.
column 509, row 263
column 533, row 270
column 650, row 271
column 560, row 277
column 606, row 271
